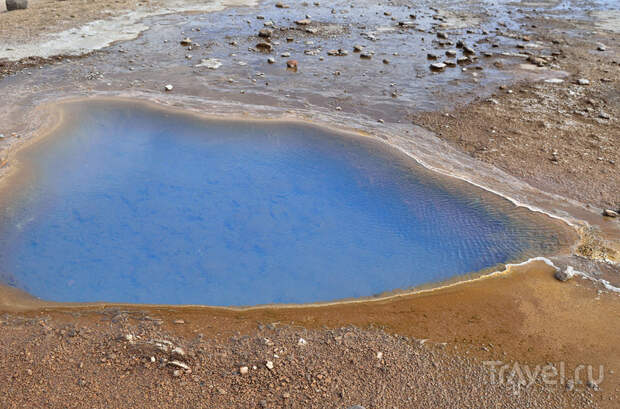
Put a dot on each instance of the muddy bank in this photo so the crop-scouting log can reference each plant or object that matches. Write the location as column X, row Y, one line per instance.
column 525, row 316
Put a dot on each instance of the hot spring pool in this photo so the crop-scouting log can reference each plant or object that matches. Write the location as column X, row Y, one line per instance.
column 129, row 203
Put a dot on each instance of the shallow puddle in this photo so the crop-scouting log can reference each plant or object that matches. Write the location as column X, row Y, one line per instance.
column 129, row 203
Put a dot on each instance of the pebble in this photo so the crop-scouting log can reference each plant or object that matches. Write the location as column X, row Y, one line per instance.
column 263, row 46
column 438, row 66
column 244, row 370
column 564, row 275
column 282, row 5
column 210, row 63
column 610, row 213
column 366, row 56
column 168, row 87
column 302, row 342
column 265, row 32
column 271, row 60
column 186, row 41
column 357, row 48
column 431, row 56
column 583, row 81
column 269, row 365
column 451, row 53
column 303, row 22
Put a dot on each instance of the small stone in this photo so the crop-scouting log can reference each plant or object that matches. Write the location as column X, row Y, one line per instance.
column 263, row 46
column 303, row 22
column 610, row 213
column 244, row 370
column 431, row 56
column 451, row 53
column 269, row 365
column 442, row 35
column 450, row 63
column 16, row 5
column 438, row 66
column 386, row 61
column 168, row 87
column 179, row 364
column 186, row 41
column 302, row 342
column 583, row 81
column 271, row 60
column 177, row 373
column 285, row 55
column 179, row 322
column 282, row 5
column 210, row 63
column 358, row 48
column 265, row 33
column 604, row 115
column 601, row 47
column 366, row 56
column 564, row 275
column 379, row 355
column 468, row 50
column 292, row 64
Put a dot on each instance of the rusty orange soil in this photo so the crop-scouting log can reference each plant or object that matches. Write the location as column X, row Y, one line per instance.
column 522, row 315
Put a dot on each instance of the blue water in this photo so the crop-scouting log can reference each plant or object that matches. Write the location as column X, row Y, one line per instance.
column 131, row 204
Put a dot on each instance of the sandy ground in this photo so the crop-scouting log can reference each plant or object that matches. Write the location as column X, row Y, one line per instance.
column 561, row 137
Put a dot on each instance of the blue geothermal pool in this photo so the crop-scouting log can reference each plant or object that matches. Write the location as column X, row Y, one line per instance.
column 128, row 203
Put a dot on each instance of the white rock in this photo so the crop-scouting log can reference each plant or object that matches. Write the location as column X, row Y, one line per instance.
column 583, row 81
column 210, row 63
column 379, row 355
column 168, row 87
column 269, row 365
column 179, row 364
column 244, row 370
column 302, row 342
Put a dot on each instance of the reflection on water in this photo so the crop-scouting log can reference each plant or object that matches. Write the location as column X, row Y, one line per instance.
column 130, row 204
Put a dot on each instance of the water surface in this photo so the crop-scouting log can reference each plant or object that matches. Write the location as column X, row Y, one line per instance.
column 126, row 203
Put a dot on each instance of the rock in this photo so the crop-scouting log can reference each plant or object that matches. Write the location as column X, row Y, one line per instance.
column 210, row 63
column 244, row 370
column 604, row 115
column 554, row 81
column 610, row 213
column 386, row 61
column 449, row 63
column 379, row 355
column 442, row 35
column 302, row 342
column 468, row 50
column 263, row 46
column 438, row 66
column 265, row 33
column 179, row 364
column 601, row 47
column 463, row 60
column 292, row 64
column 282, row 5
column 431, row 56
column 358, row 48
column 564, row 275
column 16, row 5
column 168, row 87
column 178, row 351
column 269, row 365
column 179, row 322
column 303, row 22
column 186, row 41
column 583, row 81
column 356, row 407
column 536, row 60
column 366, row 56
column 271, row 60
column 451, row 53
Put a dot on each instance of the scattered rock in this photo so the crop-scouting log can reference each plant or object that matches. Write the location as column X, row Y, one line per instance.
column 179, row 364
column 451, row 53
column 583, row 81
column 16, row 5
column 610, row 213
column 303, row 22
column 269, row 365
column 271, row 60
column 366, row 55
column 292, row 64
column 431, row 56
column 168, row 87
column 302, row 342
column 244, row 370
column 282, row 5
column 438, row 66
column 186, row 41
column 358, row 48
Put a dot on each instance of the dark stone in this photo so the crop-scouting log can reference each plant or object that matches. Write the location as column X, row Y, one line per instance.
column 16, row 5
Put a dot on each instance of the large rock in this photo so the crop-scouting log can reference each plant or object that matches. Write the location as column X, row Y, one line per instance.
column 16, row 4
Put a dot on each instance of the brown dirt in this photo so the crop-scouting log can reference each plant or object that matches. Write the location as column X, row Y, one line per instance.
column 52, row 16
column 524, row 316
